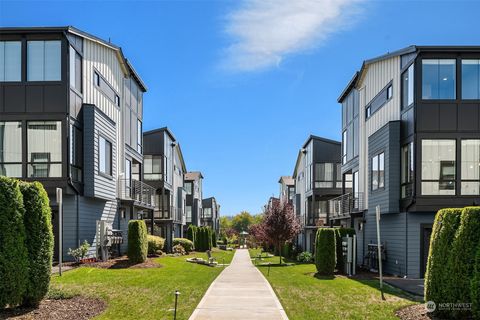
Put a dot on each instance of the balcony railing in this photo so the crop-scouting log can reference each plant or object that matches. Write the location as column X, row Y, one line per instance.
column 343, row 206
column 137, row 191
column 169, row 213
column 316, row 220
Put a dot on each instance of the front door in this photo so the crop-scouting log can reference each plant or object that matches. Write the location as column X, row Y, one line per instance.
column 426, row 232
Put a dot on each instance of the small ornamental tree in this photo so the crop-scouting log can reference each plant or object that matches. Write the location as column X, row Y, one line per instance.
column 13, row 252
column 325, row 251
column 278, row 226
column 39, row 240
column 137, row 241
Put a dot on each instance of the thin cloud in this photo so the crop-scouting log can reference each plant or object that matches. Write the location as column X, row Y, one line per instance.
column 264, row 32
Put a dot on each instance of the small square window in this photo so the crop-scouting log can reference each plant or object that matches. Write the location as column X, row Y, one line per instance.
column 96, row 79
column 389, row 92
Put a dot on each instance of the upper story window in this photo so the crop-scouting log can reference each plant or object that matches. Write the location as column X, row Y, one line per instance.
column 139, row 136
column 188, row 211
column 207, row 212
column 470, row 79
column 152, row 167
column 380, row 100
column 10, row 61
column 76, row 153
column 407, row 161
column 470, row 167
column 44, row 60
column 105, row 156
column 378, row 171
column 324, row 175
column 11, row 149
column 338, row 175
column 438, row 167
column 189, row 187
column 407, row 87
column 438, row 79
column 44, row 149
column 75, row 70
column 344, row 147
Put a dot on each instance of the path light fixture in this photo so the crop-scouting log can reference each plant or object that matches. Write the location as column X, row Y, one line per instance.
column 177, row 293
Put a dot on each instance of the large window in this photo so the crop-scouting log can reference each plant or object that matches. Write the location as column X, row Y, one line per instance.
column 152, row 167
column 378, row 171
column 470, row 167
column 323, row 175
column 75, row 70
column 407, row 170
column 188, row 210
column 189, row 187
column 44, row 60
column 407, row 87
column 76, row 153
column 470, row 79
column 10, row 61
column 338, row 176
column 105, row 156
column 344, row 147
column 438, row 79
column 44, row 145
column 139, row 136
column 207, row 213
column 11, row 149
column 309, row 166
column 438, row 167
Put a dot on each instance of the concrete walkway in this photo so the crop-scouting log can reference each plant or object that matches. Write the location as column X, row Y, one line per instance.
column 240, row 292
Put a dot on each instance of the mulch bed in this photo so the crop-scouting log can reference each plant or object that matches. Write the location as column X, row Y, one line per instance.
column 415, row 312
column 78, row 307
column 123, row 263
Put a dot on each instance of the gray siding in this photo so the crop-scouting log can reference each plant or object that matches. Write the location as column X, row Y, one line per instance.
column 96, row 124
column 386, row 140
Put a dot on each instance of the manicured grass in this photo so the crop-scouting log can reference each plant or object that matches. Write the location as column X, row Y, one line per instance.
column 145, row 293
column 304, row 296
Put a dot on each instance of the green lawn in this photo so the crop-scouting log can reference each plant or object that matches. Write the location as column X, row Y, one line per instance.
column 145, row 293
column 305, row 296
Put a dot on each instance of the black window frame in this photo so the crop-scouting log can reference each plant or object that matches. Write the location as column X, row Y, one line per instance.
column 110, row 167
column 381, row 178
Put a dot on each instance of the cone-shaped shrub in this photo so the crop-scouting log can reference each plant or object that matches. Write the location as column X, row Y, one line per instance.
column 38, row 240
column 325, row 251
column 462, row 258
column 137, row 241
column 214, row 239
column 209, row 238
column 437, row 277
column 475, row 286
column 13, row 252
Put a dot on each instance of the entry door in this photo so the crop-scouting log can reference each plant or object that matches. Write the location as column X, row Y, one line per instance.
column 425, row 238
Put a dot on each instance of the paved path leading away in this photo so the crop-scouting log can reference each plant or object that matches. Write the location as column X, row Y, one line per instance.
column 240, row 292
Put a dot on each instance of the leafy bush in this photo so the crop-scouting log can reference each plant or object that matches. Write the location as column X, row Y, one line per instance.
column 38, row 240
column 185, row 243
column 80, row 252
column 304, row 256
column 137, row 241
column 214, row 239
column 462, row 258
column 325, row 252
column 475, row 286
column 179, row 249
column 155, row 244
column 445, row 226
column 13, row 252
column 339, row 234
column 192, row 233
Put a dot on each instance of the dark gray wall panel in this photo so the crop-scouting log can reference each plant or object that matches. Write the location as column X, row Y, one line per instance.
column 14, row 99
column 34, row 99
column 468, row 117
column 55, row 98
column 427, row 117
column 447, row 117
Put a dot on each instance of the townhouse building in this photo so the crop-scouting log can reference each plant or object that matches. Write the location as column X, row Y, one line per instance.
column 71, row 111
column 211, row 214
column 287, row 189
column 165, row 171
column 317, row 179
column 194, row 188
column 411, row 145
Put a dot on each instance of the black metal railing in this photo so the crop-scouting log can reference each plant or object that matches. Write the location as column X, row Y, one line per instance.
column 344, row 205
column 137, row 191
column 169, row 213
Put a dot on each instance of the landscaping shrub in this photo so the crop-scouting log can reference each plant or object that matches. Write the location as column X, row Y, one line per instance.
column 287, row 250
column 475, row 286
column 197, row 242
column 325, row 252
column 13, row 252
column 339, row 234
column 185, row 243
column 155, row 244
column 38, row 240
column 179, row 249
column 437, row 277
column 191, row 233
column 462, row 258
column 79, row 253
column 304, row 257
column 214, row 239
column 137, row 241
column 209, row 238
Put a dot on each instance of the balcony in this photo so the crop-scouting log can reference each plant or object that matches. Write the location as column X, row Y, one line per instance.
column 316, row 220
column 169, row 213
column 346, row 204
column 139, row 192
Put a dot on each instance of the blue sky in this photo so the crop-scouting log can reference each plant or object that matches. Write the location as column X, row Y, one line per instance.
column 243, row 83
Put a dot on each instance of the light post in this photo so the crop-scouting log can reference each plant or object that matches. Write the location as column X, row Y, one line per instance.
column 60, row 229
column 177, row 293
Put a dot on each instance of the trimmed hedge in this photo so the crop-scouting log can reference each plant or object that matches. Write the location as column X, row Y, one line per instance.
column 339, row 234
column 462, row 258
column 191, row 233
column 137, row 241
column 39, row 240
column 437, row 277
column 475, row 286
column 325, row 252
column 155, row 244
column 13, row 252
column 185, row 243
column 214, row 239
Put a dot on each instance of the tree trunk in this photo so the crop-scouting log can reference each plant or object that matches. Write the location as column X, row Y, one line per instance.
column 280, row 252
